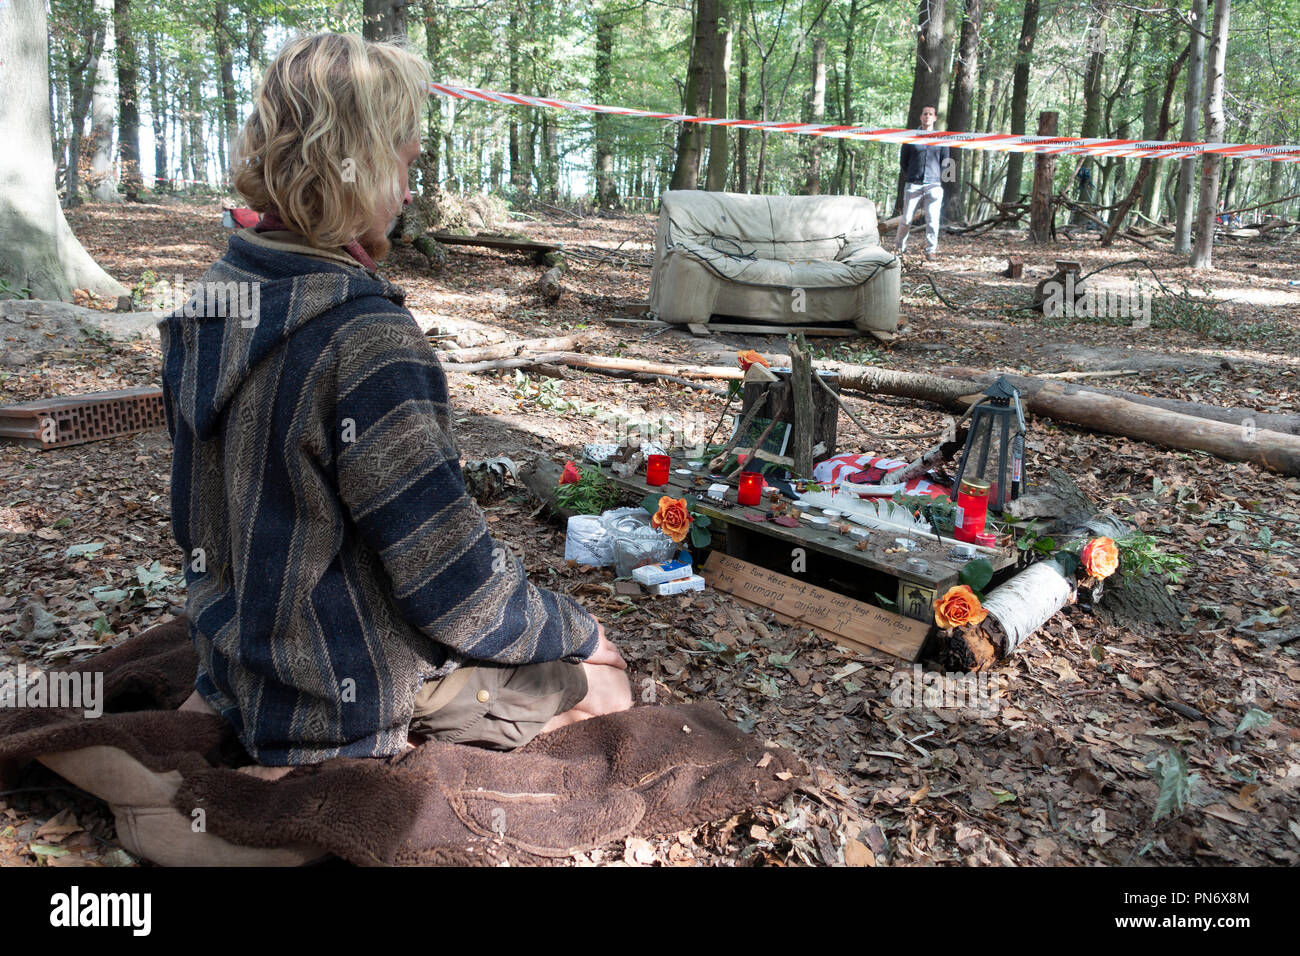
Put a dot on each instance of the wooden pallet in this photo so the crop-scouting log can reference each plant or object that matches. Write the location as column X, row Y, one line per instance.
column 830, row 559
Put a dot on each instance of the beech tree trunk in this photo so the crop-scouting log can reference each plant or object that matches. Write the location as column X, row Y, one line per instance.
column 81, row 84
column 742, row 112
column 960, row 104
column 1040, row 199
column 128, row 104
column 602, row 89
column 198, row 148
column 690, row 138
column 1148, row 166
column 815, row 113
column 158, row 117
column 520, row 172
column 842, row 153
column 384, row 19
column 717, row 170
column 1211, row 165
column 928, row 78
column 226, row 71
column 37, row 249
column 1020, row 97
column 1191, row 105
column 103, row 177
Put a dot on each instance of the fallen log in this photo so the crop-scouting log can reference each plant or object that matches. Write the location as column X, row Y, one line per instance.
column 948, row 392
column 1029, row 386
column 542, row 479
column 431, row 249
column 537, row 250
column 1275, row 451
column 1260, row 205
column 598, row 362
column 562, row 343
column 549, row 284
column 1156, row 228
column 1105, row 226
column 1071, row 404
column 1101, row 412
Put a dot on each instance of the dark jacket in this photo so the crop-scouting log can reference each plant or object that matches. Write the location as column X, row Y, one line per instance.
column 342, row 561
column 922, row 164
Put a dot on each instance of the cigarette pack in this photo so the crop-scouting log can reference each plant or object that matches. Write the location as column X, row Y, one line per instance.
column 693, row 583
column 659, row 573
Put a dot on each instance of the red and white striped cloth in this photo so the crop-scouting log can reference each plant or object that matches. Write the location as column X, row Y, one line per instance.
column 839, row 471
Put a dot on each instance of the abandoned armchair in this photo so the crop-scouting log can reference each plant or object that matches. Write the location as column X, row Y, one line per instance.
column 344, row 595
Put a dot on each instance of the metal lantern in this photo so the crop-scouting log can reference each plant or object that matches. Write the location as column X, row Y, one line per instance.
column 995, row 446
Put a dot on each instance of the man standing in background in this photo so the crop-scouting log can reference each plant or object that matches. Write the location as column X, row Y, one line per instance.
column 922, row 168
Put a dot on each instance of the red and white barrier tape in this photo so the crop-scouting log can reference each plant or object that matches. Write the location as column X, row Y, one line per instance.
column 1002, row 142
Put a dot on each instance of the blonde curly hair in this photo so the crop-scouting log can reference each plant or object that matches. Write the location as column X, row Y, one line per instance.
column 321, row 144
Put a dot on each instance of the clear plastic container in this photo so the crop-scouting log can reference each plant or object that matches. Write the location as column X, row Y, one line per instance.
column 619, row 520
column 642, row 546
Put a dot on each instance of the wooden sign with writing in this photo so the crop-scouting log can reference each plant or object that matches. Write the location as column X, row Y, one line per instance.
column 844, row 619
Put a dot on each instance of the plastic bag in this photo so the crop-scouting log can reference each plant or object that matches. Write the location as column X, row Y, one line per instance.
column 587, row 541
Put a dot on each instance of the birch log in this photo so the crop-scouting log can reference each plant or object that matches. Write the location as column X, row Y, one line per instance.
column 1025, row 603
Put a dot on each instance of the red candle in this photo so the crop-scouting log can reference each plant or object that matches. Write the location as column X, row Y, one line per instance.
column 656, row 470
column 973, row 506
column 751, row 488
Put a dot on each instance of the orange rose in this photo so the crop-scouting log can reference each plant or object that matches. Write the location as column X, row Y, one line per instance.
column 958, row 608
column 1100, row 557
column 748, row 358
column 672, row 518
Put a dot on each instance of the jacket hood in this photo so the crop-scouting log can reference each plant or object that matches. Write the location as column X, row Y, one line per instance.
column 244, row 308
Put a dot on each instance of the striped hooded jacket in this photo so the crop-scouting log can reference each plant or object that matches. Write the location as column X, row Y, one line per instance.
column 333, row 559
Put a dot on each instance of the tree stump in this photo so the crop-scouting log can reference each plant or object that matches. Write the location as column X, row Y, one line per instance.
column 549, row 284
column 780, row 407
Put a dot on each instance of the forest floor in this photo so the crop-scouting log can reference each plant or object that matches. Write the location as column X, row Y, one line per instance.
column 1062, row 772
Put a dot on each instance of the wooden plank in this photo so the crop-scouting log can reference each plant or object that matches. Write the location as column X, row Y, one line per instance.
column 631, row 320
column 831, row 331
column 499, row 242
column 843, row 619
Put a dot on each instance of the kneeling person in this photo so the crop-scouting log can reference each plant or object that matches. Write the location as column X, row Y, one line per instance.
column 344, row 595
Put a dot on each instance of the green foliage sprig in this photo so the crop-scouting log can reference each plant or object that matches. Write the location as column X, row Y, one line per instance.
column 591, row 494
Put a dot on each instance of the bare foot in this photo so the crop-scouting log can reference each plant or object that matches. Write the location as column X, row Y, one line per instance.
column 608, row 692
column 196, row 703
column 266, row 773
